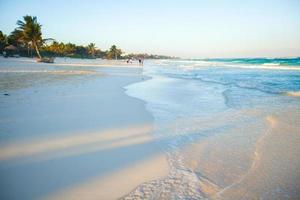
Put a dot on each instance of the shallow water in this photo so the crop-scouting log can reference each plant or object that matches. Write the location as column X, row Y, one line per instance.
column 223, row 101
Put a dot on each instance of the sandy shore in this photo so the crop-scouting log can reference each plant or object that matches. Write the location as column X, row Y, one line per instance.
column 76, row 137
column 275, row 164
column 119, row 183
column 257, row 162
column 69, row 130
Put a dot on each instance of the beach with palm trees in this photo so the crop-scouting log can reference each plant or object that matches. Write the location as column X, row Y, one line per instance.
column 27, row 40
column 149, row 100
column 108, row 137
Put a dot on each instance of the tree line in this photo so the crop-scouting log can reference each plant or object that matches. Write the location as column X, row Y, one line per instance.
column 28, row 41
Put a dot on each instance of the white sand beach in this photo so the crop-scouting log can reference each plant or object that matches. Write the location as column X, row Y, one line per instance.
column 149, row 100
column 96, row 140
column 101, row 129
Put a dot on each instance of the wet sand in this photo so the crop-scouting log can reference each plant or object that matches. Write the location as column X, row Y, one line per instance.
column 275, row 164
column 234, row 166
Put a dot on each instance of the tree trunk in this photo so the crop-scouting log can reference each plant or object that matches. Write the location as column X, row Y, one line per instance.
column 37, row 50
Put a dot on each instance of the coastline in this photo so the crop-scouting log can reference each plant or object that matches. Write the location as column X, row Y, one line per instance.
column 150, row 100
column 248, row 149
column 118, row 133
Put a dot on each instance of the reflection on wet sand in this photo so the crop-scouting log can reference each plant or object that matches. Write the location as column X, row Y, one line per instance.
column 234, row 166
column 273, row 174
column 257, row 156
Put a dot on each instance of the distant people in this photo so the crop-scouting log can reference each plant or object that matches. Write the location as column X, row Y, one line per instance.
column 129, row 60
column 141, row 61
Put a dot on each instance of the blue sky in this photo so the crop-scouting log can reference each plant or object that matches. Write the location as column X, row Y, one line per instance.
column 187, row 28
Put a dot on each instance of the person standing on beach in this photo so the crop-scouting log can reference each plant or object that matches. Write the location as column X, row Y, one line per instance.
column 141, row 61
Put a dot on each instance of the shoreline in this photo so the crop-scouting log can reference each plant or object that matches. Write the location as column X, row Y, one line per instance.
column 123, row 135
column 269, row 170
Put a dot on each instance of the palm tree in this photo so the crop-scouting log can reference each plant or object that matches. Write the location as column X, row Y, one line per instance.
column 3, row 41
column 70, row 48
column 114, row 52
column 91, row 49
column 15, row 38
column 31, row 32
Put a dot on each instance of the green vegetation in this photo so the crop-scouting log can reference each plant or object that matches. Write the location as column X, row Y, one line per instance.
column 114, row 53
column 3, row 41
column 92, row 49
column 30, row 33
column 28, row 41
column 71, row 50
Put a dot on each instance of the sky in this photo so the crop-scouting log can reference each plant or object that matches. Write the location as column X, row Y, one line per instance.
column 184, row 28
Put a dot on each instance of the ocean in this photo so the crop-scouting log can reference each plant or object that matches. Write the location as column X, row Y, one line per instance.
column 214, row 114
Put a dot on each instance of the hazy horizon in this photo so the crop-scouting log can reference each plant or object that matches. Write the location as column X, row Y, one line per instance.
column 189, row 29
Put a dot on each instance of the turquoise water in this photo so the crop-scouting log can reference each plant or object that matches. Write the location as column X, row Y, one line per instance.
column 259, row 61
column 234, row 72
column 192, row 100
column 193, row 88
